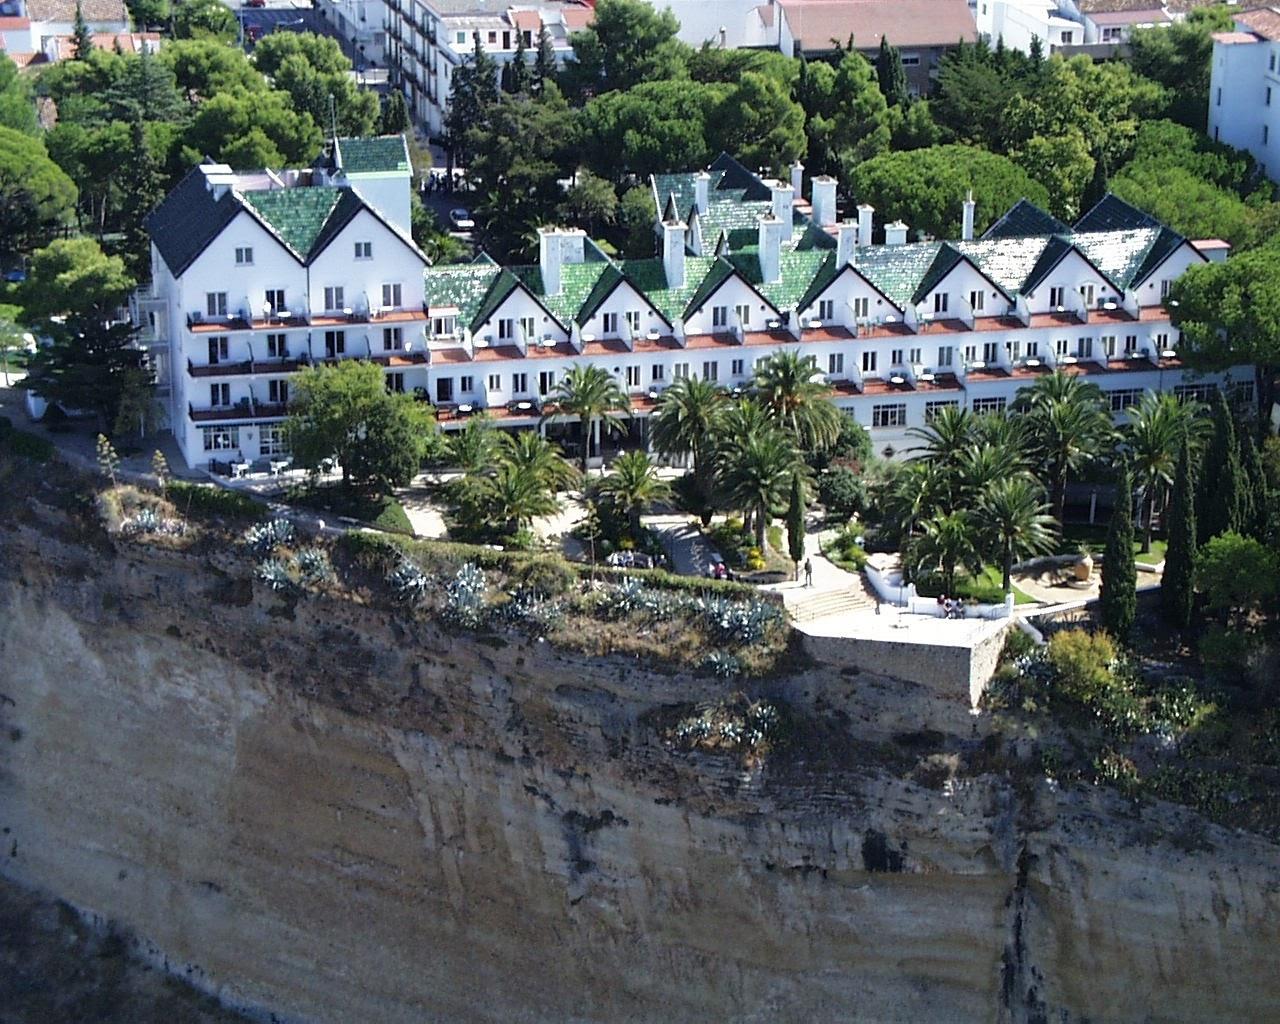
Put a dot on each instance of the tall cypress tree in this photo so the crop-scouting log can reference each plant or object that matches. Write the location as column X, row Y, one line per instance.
column 1259, row 492
column 890, row 74
column 519, row 78
column 141, row 192
column 795, row 521
column 1223, row 500
column 1118, row 603
column 544, row 61
column 81, row 37
column 1177, row 589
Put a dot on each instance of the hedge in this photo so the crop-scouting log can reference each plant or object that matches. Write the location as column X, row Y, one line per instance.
column 207, row 500
column 30, row 446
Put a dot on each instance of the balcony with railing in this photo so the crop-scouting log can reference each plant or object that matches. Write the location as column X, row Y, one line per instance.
column 244, row 409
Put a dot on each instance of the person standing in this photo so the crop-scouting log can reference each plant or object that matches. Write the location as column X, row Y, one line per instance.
column 808, row 572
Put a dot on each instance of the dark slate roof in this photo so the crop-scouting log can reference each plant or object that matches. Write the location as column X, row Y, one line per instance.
column 373, row 155
column 1111, row 213
column 1025, row 218
column 189, row 219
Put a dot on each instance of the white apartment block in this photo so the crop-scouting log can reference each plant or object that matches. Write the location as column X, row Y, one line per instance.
column 363, row 24
column 1244, row 87
column 428, row 40
column 1096, row 27
column 258, row 274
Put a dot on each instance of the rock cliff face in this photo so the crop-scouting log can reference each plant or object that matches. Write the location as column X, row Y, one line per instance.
column 335, row 814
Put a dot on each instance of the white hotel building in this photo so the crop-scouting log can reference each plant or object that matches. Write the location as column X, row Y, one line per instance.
column 256, row 274
column 1244, row 87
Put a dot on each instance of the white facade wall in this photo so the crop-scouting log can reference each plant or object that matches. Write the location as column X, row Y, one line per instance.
column 1244, row 100
column 361, row 280
column 732, row 293
column 1018, row 22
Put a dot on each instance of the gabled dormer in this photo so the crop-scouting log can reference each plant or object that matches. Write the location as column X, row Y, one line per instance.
column 955, row 288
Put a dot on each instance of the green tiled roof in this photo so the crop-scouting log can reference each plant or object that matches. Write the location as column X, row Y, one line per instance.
column 796, row 272
column 464, row 285
column 374, row 155
column 651, row 278
column 1011, row 262
column 897, row 270
column 297, row 215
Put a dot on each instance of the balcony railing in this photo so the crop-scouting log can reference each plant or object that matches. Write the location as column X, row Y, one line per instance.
column 247, row 366
column 242, row 410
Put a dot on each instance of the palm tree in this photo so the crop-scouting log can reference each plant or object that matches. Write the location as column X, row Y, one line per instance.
column 794, row 394
column 977, row 468
column 754, row 472
column 1157, row 428
column 916, row 491
column 685, row 420
column 590, row 393
column 633, row 484
column 948, row 433
column 1007, row 433
column 529, row 450
column 473, row 448
column 949, row 543
column 514, row 496
column 1069, row 425
column 1017, row 522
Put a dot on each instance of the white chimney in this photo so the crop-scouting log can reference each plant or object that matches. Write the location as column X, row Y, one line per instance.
column 556, row 247
column 783, row 198
column 797, row 179
column 673, row 253
column 865, row 213
column 846, row 240
column 895, row 233
column 701, row 189
column 824, row 200
column 770, row 249
column 966, row 229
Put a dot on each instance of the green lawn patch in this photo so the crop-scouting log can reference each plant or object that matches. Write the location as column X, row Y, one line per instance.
column 1094, row 537
column 380, row 510
column 983, row 588
column 774, row 533
column 1153, row 557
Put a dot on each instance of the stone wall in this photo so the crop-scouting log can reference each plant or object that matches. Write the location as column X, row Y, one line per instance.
column 335, row 813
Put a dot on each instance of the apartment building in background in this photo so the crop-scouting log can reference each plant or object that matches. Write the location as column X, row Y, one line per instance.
column 363, row 24
column 428, row 40
column 258, row 274
column 1244, row 87
column 1097, row 28
column 34, row 32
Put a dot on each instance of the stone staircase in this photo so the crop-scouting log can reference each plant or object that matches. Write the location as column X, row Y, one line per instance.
column 818, row 604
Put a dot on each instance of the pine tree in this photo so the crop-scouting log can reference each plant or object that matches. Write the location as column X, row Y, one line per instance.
column 795, row 521
column 1177, row 588
column 1117, row 600
column 519, row 78
column 394, row 119
column 81, row 38
column 142, row 189
column 1223, row 499
column 472, row 95
column 544, row 61
column 891, row 75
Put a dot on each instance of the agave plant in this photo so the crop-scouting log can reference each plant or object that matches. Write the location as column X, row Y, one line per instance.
column 314, row 566
column 464, row 596
column 275, row 574
column 722, row 664
column 264, row 538
column 409, row 582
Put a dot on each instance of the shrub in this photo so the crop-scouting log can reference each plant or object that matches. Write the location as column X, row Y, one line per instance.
column 149, row 520
column 394, row 518
column 26, row 445
column 1114, row 769
column 549, row 577
column 207, row 500
column 1082, row 663
column 845, row 550
column 1017, row 646
column 275, row 574
column 842, row 493
column 722, row 664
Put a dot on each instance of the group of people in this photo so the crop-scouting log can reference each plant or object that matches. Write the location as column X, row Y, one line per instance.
column 634, row 560
column 719, row 571
column 952, row 607
column 442, row 181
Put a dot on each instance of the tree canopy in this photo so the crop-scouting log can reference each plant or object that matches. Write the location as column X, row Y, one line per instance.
column 36, row 197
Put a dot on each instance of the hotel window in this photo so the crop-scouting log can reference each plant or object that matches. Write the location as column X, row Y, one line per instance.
column 333, row 298
column 1241, row 392
column 244, row 255
column 519, row 383
column 1271, row 64
column 395, row 383
column 610, row 321
column 1130, row 344
column 546, row 382
column 680, row 371
column 913, row 356
column 1165, row 285
column 444, row 389
column 1162, row 341
column 493, row 38
column 868, row 362
column 633, row 321
column 976, row 299
column 1084, row 348
column 1217, row 100
column 274, row 441
column 217, row 350
column 1266, row 133
column 893, row 415
column 835, row 363
column 1056, row 295
column 1109, row 345
column 1195, row 392
column 274, row 299
column 970, row 354
column 990, row 351
column 1013, row 349
column 215, row 303
column 391, row 296
column 335, row 344
column 528, row 327
column 1067, row 37
column 277, row 346
column 939, row 302
column 1033, row 349
column 220, row 439
column 442, row 326
column 219, row 394
column 736, row 368
column 744, row 316
column 494, row 383
column 931, row 409
column 719, row 316
column 1086, row 293
column 467, row 384
column 861, row 307
column 506, row 329
column 710, row 370
column 986, row 406
column 278, row 391
column 826, row 309
column 1121, row 400
column 364, row 250
column 945, row 355
column 658, row 372
column 633, row 376
column 460, row 38
column 1060, row 347
column 392, row 338
column 911, row 60
column 1268, row 95
column 895, row 357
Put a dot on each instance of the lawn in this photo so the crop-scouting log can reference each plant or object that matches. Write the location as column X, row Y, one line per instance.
column 1095, row 538
column 983, row 588
column 382, row 511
